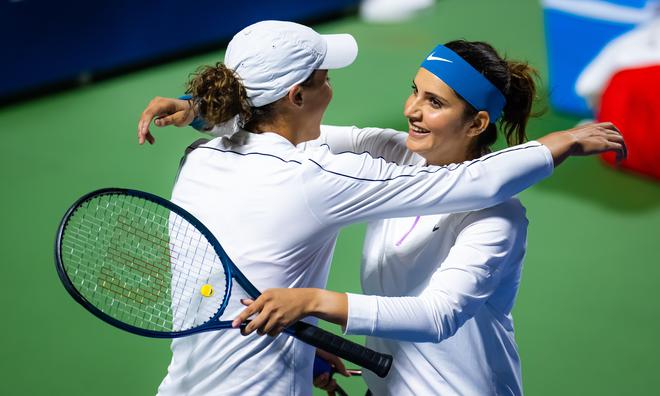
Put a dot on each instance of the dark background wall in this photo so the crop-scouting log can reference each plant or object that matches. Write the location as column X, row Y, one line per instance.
column 54, row 43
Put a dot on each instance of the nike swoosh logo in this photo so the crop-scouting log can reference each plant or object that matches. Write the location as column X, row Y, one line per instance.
column 436, row 228
column 437, row 58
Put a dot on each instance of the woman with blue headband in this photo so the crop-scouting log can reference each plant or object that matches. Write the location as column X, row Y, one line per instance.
column 452, row 332
column 292, row 201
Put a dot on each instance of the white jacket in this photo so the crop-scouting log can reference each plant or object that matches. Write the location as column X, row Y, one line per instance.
column 277, row 209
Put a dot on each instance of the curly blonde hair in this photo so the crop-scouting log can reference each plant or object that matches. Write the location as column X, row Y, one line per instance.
column 218, row 94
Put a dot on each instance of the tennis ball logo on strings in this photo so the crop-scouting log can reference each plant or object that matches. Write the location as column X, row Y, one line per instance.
column 207, row 290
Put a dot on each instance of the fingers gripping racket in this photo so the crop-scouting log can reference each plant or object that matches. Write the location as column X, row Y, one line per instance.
column 147, row 266
column 321, row 366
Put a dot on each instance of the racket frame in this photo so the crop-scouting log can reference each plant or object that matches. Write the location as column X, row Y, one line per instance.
column 229, row 267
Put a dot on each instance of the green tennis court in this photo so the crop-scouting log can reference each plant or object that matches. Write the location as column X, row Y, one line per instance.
column 587, row 317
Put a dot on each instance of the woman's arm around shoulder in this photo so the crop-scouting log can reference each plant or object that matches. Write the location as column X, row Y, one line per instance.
column 384, row 143
column 349, row 188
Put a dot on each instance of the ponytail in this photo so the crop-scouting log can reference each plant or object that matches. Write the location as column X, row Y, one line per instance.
column 520, row 97
column 516, row 80
column 219, row 95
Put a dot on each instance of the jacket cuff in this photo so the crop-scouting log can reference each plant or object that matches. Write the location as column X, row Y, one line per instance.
column 362, row 314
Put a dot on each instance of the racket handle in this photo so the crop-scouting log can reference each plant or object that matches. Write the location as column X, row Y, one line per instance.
column 379, row 363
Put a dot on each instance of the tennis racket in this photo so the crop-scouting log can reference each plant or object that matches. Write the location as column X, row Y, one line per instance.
column 147, row 266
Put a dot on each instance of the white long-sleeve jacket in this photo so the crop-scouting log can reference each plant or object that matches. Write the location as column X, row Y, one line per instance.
column 277, row 210
column 440, row 289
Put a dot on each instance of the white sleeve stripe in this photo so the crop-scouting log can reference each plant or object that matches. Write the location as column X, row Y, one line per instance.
column 252, row 153
column 376, row 180
column 434, row 169
column 507, row 150
column 366, row 152
column 426, row 170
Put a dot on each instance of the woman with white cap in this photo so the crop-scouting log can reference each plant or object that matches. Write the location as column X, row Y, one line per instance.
column 453, row 333
column 277, row 209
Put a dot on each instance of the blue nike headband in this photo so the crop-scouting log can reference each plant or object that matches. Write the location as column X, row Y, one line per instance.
column 465, row 80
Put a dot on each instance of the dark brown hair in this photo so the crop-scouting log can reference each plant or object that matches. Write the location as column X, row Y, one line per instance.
column 514, row 79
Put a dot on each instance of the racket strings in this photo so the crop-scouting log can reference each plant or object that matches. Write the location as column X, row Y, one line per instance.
column 100, row 284
column 187, row 254
column 106, row 275
column 142, row 264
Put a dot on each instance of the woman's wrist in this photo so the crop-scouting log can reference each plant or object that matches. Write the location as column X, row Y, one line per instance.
column 560, row 145
column 328, row 305
column 317, row 302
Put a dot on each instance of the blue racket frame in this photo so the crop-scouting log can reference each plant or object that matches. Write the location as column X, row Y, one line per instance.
column 230, row 268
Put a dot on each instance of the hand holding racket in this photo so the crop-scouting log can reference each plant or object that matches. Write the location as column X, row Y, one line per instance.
column 147, row 266
column 324, row 370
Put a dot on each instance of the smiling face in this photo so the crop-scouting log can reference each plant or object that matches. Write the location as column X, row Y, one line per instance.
column 437, row 127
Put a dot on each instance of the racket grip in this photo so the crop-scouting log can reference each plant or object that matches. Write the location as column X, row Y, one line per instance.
column 379, row 363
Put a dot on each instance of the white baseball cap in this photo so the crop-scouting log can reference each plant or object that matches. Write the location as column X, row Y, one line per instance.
column 270, row 57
